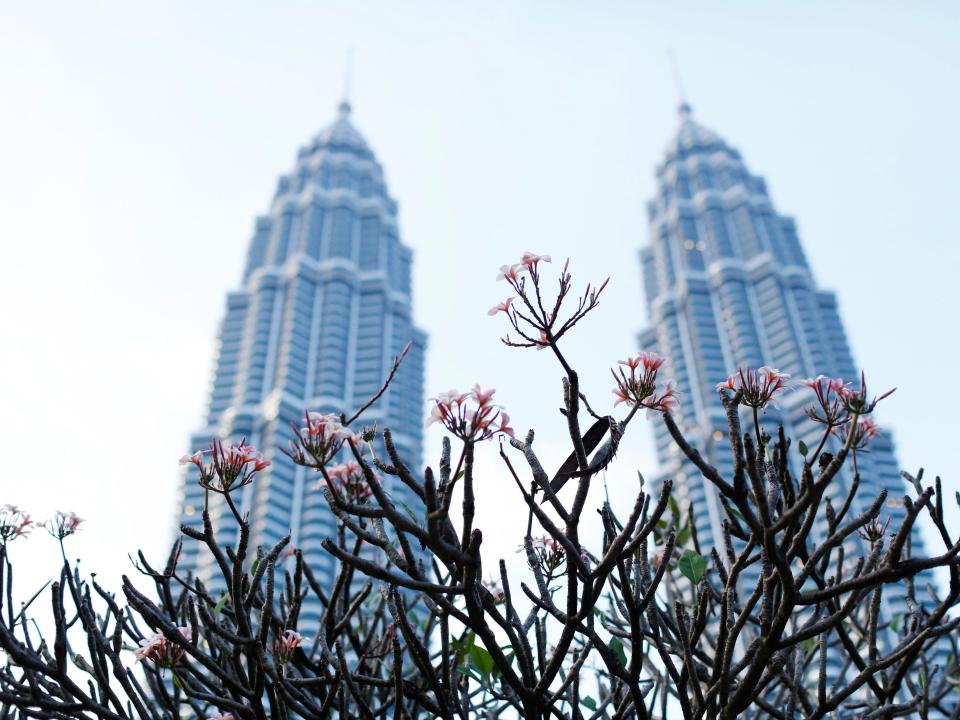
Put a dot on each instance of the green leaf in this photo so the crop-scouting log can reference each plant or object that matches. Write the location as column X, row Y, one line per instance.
column 674, row 507
column 482, row 660
column 254, row 565
column 589, row 702
column 616, row 645
column 692, row 566
column 895, row 623
column 408, row 511
column 733, row 511
column 683, row 536
column 808, row 644
column 803, row 448
column 221, row 604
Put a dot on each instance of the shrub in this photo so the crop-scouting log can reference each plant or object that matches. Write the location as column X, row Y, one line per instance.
column 785, row 619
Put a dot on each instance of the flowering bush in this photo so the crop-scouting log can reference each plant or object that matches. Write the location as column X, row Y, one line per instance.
column 781, row 615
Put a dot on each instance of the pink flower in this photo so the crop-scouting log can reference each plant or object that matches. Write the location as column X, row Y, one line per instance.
column 483, row 397
column 834, row 385
column 469, row 416
column 640, row 386
column 160, row 650
column 758, row 387
column 510, row 273
column 325, row 427
column 347, row 479
column 856, row 401
column 319, row 440
column 195, row 459
column 829, row 391
column 231, row 466
column 285, row 644
column 250, row 454
column 729, row 384
column 548, row 553
column 452, row 397
column 530, row 260
column 445, row 406
column 493, row 587
column 650, row 361
column 14, row 523
column 548, row 543
column 865, row 431
column 505, row 426
column 63, row 524
column 668, row 401
column 503, row 307
column 221, row 716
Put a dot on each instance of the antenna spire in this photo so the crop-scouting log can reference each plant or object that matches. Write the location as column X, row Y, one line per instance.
column 678, row 82
column 347, row 77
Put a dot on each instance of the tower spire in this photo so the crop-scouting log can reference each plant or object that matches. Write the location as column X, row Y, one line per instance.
column 684, row 106
column 347, row 77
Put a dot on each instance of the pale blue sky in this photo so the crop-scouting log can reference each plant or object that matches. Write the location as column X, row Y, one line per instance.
column 138, row 141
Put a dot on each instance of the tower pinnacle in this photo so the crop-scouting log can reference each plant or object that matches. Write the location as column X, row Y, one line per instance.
column 684, row 107
column 347, row 77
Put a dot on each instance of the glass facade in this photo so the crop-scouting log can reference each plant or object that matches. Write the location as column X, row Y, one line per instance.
column 324, row 306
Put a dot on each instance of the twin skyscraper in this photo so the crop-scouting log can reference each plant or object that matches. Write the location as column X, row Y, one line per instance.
column 323, row 308
column 325, row 304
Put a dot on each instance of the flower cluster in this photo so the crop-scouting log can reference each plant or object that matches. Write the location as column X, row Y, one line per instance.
column 231, row 466
column 528, row 264
column 855, row 401
column 470, row 415
column 285, row 644
column 874, row 531
column 14, row 523
column 832, row 411
column 639, row 388
column 549, row 553
column 320, row 439
column 534, row 318
column 160, row 650
column 838, row 404
column 757, row 387
column 866, row 429
column 346, row 479
column 503, row 307
column 63, row 524
column 494, row 588
column 512, row 274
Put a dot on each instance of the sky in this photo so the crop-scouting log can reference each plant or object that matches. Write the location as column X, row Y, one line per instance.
column 139, row 141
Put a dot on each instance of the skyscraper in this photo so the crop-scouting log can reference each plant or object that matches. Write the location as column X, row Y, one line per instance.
column 727, row 286
column 324, row 306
